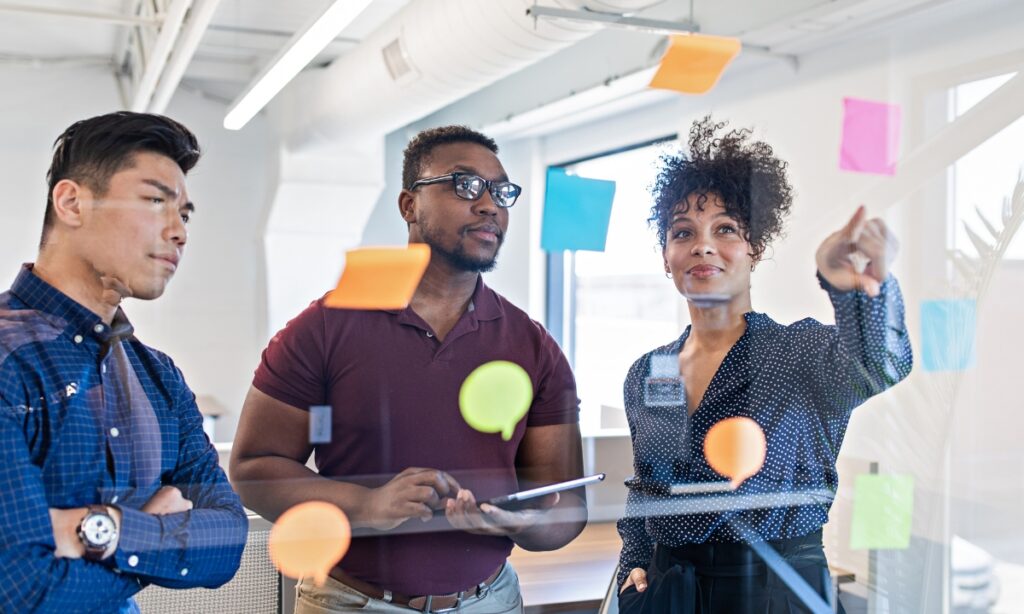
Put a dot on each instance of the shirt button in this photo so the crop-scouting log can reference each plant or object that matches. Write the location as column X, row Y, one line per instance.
column 113, row 499
column 103, row 368
column 98, row 328
column 184, row 571
column 114, row 432
column 78, row 338
column 133, row 561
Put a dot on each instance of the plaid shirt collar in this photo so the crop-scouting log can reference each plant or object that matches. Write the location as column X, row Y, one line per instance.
column 76, row 318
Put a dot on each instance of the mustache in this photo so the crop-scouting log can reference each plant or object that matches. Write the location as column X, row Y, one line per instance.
column 486, row 227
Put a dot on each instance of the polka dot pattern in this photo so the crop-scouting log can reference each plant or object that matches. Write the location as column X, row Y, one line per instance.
column 799, row 382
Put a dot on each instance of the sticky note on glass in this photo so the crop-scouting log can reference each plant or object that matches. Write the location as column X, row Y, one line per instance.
column 947, row 334
column 883, row 507
column 380, row 277
column 871, row 136
column 694, row 63
column 576, row 212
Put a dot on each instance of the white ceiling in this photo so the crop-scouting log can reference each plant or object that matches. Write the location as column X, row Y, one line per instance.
column 245, row 34
column 242, row 37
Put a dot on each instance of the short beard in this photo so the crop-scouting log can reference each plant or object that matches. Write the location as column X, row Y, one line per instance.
column 458, row 258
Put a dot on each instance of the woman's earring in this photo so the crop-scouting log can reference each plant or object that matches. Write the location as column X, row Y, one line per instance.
column 668, row 274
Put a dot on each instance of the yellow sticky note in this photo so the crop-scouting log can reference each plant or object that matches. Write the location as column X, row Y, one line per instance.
column 694, row 62
column 380, row 277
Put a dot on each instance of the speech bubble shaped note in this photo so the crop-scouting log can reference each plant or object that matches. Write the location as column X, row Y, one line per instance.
column 495, row 397
column 380, row 277
column 309, row 539
column 694, row 63
column 735, row 448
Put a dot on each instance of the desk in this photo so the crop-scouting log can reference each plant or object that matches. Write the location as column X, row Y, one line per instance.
column 574, row 577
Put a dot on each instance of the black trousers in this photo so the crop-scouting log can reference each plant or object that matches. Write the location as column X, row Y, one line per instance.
column 728, row 579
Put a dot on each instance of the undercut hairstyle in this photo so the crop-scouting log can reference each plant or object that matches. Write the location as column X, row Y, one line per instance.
column 745, row 174
column 417, row 152
column 92, row 150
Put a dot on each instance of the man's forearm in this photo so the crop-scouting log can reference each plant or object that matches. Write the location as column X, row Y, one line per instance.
column 201, row 547
column 271, row 485
column 65, row 524
column 557, row 528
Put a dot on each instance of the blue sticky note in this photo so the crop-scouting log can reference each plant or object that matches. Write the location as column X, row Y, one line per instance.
column 576, row 212
column 947, row 334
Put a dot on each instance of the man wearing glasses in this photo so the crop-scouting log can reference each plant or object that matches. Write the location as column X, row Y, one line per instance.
column 401, row 461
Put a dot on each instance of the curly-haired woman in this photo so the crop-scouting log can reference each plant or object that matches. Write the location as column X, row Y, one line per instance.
column 716, row 210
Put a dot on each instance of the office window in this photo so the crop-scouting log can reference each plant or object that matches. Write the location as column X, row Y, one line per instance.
column 986, row 175
column 617, row 304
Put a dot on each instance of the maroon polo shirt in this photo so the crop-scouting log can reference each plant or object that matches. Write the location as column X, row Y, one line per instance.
column 393, row 389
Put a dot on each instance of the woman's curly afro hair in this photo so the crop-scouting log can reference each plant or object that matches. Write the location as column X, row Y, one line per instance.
column 745, row 174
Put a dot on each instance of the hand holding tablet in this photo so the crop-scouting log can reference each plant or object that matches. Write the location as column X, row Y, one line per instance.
column 519, row 500
column 524, row 498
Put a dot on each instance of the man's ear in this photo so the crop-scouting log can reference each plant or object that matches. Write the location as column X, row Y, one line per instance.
column 407, row 206
column 68, row 198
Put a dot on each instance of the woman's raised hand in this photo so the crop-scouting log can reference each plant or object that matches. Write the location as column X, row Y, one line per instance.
column 857, row 256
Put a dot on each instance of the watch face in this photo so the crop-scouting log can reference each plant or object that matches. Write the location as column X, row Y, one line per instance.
column 98, row 529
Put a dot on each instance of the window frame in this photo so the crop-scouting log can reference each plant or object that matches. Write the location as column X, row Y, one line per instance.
column 560, row 267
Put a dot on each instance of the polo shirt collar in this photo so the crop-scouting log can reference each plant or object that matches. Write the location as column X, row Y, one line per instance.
column 484, row 304
column 75, row 317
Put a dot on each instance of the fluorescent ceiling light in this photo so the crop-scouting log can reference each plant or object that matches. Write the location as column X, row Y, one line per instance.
column 295, row 55
column 580, row 107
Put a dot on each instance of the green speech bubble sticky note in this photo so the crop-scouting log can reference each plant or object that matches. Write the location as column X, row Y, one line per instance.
column 495, row 397
column 883, row 506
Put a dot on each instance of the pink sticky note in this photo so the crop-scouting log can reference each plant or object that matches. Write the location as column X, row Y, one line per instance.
column 871, row 136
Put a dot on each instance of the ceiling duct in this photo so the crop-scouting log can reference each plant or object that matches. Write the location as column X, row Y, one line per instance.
column 432, row 53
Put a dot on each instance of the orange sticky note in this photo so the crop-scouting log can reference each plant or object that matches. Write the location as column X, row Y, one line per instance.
column 380, row 277
column 694, row 62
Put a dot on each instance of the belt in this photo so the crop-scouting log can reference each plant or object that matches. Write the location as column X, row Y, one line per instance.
column 423, row 603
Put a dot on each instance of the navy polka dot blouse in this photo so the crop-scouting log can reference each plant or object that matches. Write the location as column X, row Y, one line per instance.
column 798, row 382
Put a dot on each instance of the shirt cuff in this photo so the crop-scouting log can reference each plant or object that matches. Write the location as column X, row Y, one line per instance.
column 837, row 293
column 139, row 545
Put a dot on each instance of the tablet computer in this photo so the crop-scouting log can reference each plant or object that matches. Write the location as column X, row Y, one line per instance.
column 518, row 500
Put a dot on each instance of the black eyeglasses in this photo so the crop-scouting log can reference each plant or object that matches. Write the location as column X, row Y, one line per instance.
column 471, row 187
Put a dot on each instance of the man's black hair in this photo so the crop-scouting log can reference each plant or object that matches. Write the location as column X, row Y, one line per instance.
column 750, row 180
column 418, row 151
column 92, row 150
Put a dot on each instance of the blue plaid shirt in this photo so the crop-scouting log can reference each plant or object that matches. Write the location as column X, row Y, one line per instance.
column 89, row 415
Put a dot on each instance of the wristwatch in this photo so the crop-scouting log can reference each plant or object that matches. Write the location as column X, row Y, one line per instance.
column 97, row 531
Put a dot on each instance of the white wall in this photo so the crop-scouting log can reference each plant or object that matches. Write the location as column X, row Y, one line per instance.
column 211, row 320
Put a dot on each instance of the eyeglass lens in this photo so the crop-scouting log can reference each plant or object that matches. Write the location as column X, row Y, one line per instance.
column 471, row 187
